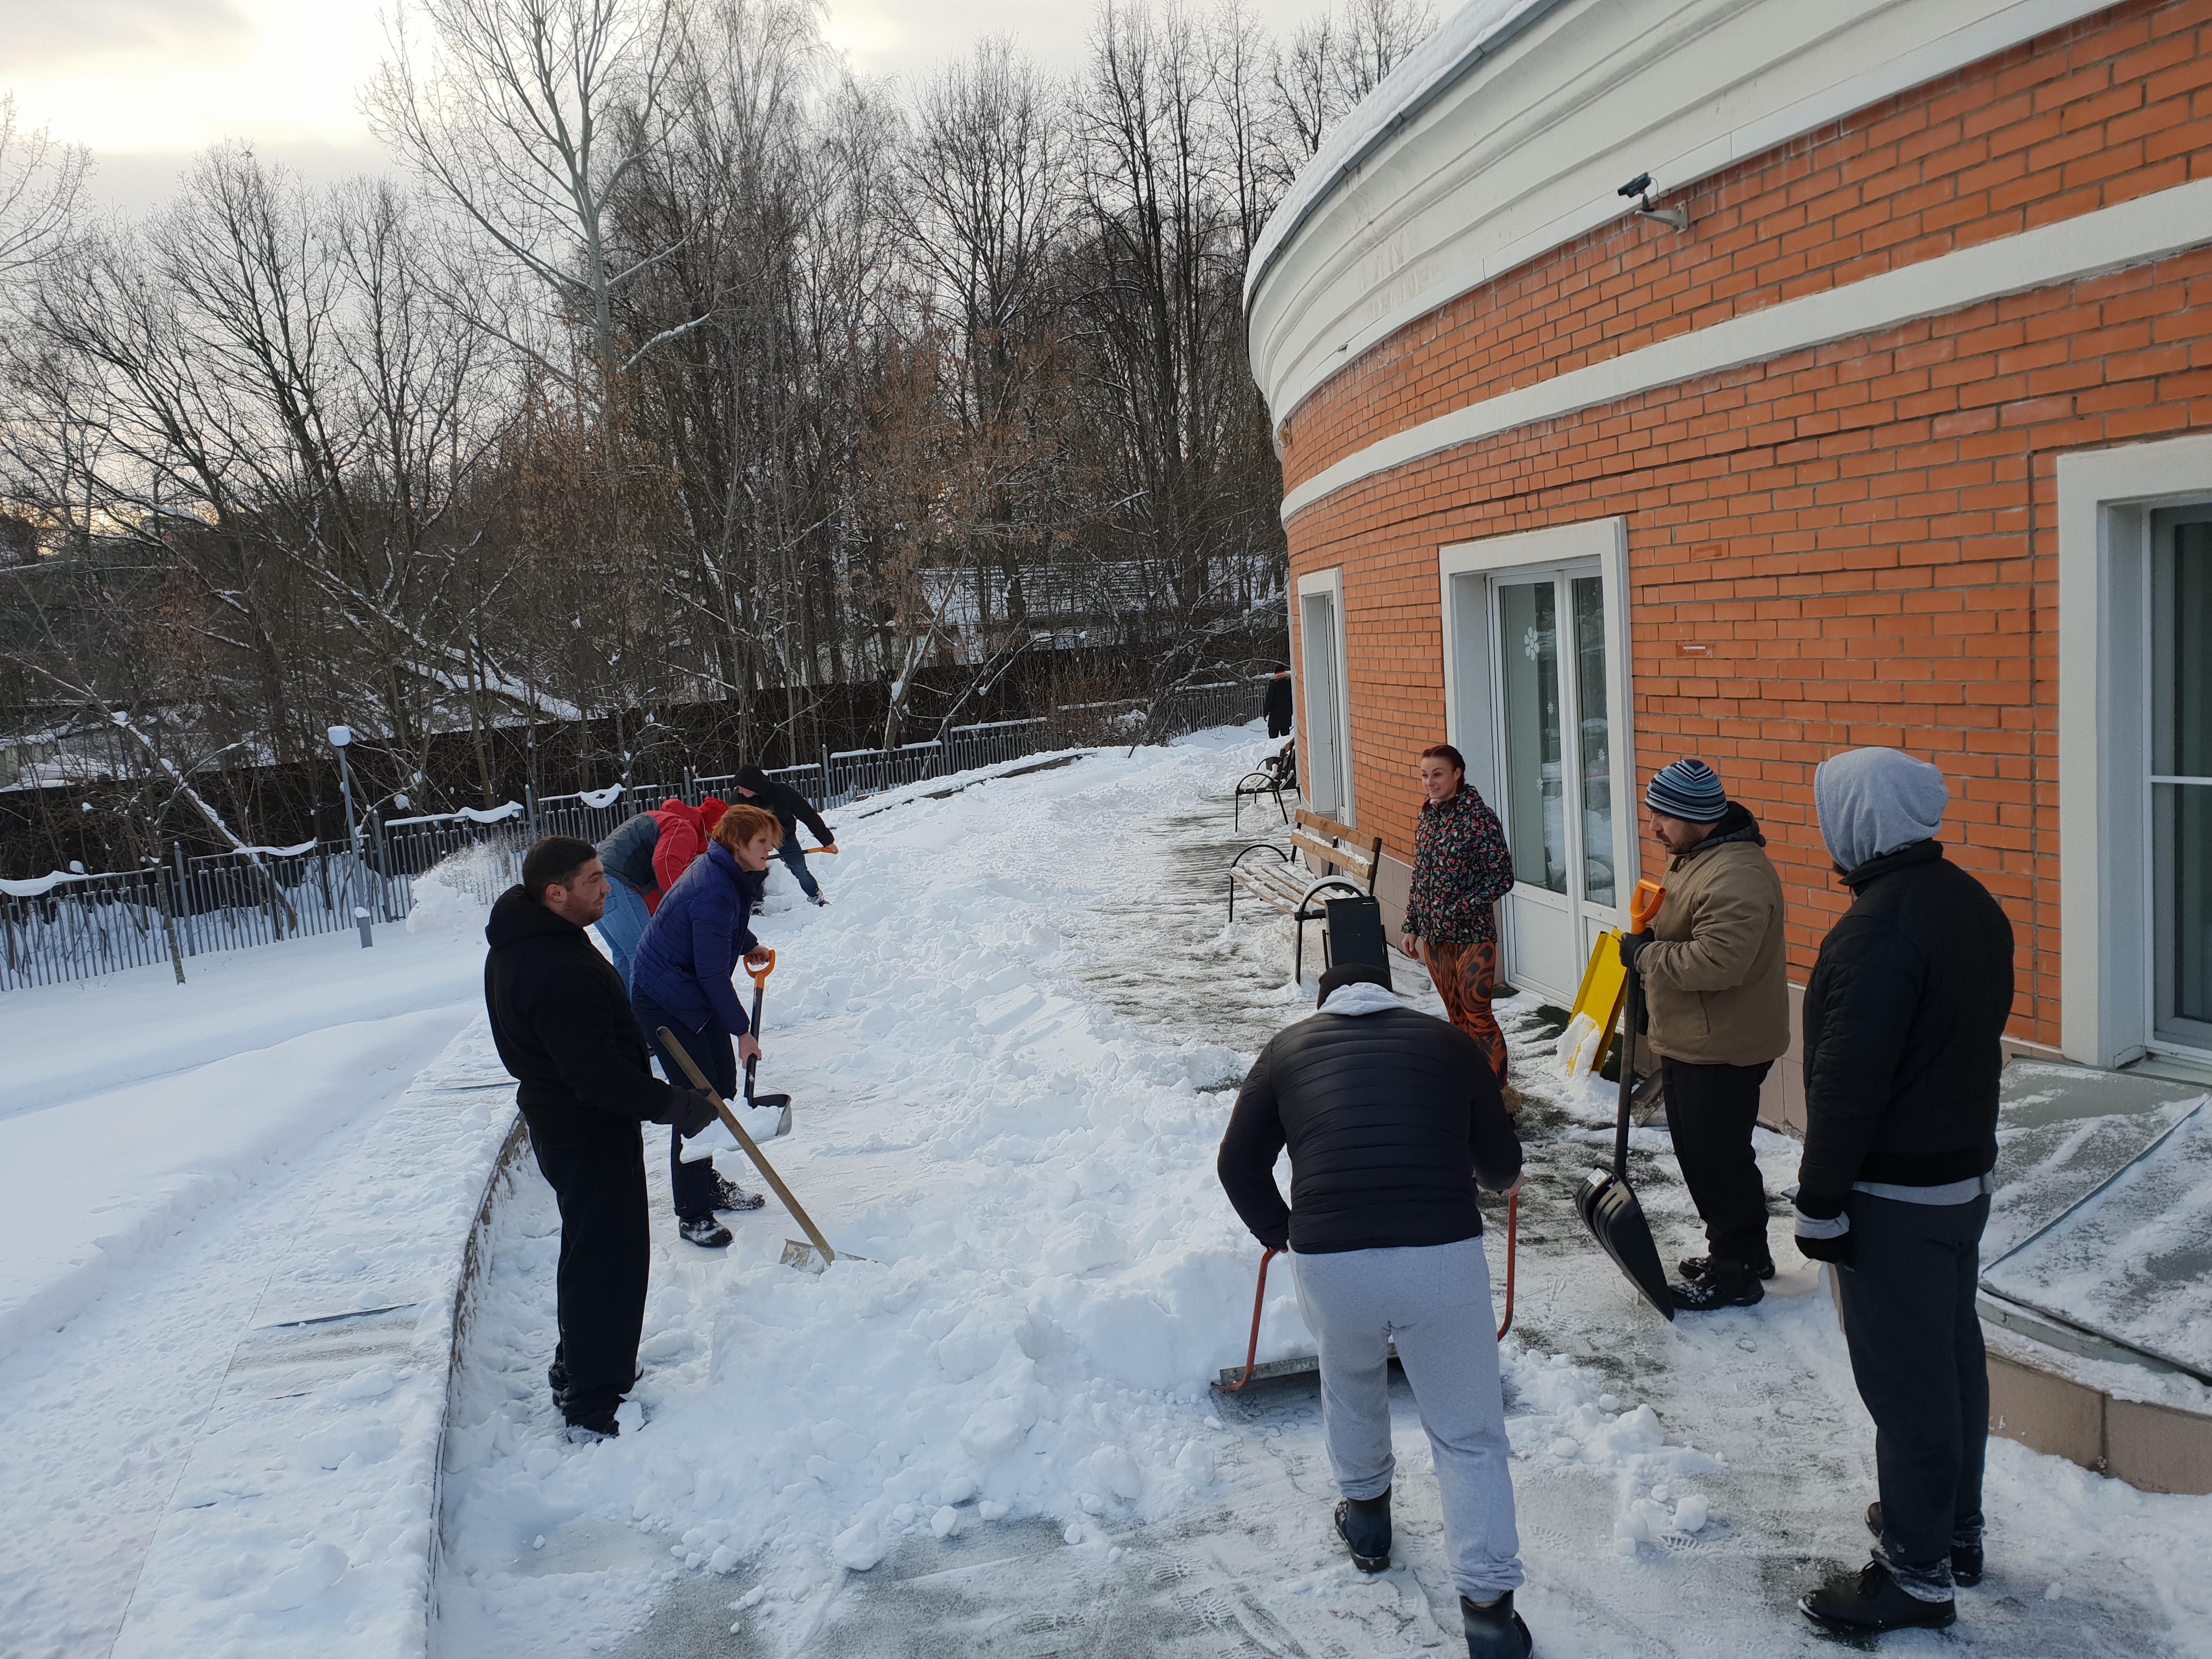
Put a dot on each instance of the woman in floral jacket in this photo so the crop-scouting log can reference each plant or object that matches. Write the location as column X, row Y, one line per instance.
column 1461, row 867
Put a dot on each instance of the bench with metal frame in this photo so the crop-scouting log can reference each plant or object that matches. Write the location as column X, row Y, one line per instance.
column 1279, row 772
column 1335, row 854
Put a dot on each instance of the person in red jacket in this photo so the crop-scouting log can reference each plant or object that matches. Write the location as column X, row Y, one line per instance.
column 685, row 832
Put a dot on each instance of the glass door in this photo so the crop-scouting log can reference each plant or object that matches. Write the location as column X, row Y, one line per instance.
column 1555, row 783
column 2180, row 613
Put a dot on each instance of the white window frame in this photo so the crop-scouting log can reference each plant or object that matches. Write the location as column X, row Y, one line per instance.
column 1603, row 542
column 1331, row 582
column 2107, row 980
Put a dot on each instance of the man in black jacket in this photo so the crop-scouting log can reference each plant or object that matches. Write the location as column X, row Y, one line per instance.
column 757, row 788
column 1278, row 705
column 562, row 1023
column 1391, row 1117
column 1903, row 1021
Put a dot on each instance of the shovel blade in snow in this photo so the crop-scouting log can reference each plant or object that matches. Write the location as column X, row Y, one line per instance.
column 798, row 1253
column 780, row 1105
column 1608, row 1208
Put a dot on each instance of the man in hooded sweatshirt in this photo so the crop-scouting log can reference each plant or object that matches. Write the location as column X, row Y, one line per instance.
column 1905, row 1017
column 561, row 1020
column 1391, row 1117
column 755, row 788
column 1713, row 979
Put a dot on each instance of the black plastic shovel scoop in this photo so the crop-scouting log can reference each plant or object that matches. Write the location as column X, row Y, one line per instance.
column 1607, row 1202
column 779, row 1103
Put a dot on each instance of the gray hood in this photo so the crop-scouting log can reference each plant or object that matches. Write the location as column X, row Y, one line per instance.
column 1873, row 801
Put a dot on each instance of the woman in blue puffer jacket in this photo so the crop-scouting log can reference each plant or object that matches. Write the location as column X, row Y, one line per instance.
column 684, row 967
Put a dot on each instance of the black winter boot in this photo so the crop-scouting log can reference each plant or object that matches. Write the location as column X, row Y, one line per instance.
column 1965, row 1559
column 556, row 1376
column 704, row 1231
column 1875, row 1601
column 1495, row 1632
column 1724, row 1285
column 1697, row 1267
column 728, row 1195
column 1364, row 1523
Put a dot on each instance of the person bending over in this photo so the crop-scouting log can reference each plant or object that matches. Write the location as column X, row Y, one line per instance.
column 634, row 884
column 1713, row 981
column 685, row 963
column 564, row 1027
column 1391, row 1117
column 790, row 807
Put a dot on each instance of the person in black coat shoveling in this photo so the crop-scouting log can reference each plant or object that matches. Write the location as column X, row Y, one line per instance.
column 1904, row 1020
column 562, row 1021
column 1391, row 1117
column 755, row 788
column 1278, row 705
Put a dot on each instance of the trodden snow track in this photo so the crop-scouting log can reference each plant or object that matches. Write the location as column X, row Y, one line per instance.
column 1010, row 1062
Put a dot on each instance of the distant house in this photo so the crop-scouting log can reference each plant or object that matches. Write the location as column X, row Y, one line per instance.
column 1905, row 439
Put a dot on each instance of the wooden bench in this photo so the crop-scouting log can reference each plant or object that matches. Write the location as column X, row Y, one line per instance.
column 1279, row 772
column 1335, row 854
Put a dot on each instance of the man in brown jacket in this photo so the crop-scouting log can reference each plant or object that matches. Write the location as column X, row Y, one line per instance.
column 1712, row 966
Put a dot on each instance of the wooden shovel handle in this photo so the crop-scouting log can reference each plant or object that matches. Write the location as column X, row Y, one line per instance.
column 753, row 1151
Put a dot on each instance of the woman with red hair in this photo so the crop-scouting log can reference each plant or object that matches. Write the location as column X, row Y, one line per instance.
column 1462, row 868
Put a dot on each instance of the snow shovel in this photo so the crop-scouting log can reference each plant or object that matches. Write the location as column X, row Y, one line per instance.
column 795, row 1254
column 1231, row 1382
column 764, row 1102
column 1607, row 1203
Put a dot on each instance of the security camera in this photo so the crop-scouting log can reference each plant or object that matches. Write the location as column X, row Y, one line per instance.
column 1639, row 190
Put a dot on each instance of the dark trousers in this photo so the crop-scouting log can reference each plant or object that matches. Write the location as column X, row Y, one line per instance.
column 693, row 1186
column 597, row 1171
column 1917, row 1354
column 794, row 859
column 1711, row 1110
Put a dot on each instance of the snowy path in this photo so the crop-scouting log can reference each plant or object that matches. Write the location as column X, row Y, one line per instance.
column 144, row 1222
column 1008, row 1063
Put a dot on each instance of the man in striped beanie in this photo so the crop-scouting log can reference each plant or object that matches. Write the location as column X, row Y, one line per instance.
column 1712, row 966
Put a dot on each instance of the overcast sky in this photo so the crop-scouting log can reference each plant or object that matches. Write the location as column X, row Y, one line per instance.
column 147, row 83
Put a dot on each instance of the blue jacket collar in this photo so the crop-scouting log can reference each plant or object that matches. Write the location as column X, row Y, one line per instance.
column 751, row 883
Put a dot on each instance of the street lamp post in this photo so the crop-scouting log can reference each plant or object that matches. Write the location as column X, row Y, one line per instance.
column 341, row 740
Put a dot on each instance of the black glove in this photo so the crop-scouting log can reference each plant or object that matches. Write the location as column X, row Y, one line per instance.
column 1830, row 1238
column 691, row 1111
column 1277, row 1241
column 1631, row 946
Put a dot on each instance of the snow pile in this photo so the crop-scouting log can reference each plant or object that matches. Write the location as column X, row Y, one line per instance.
column 455, row 894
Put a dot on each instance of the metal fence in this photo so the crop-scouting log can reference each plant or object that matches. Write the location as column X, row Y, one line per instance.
column 74, row 927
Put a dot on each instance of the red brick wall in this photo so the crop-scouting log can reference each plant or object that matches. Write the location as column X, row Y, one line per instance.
column 1863, row 534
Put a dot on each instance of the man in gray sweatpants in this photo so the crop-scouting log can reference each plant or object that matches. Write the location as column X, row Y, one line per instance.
column 1391, row 1117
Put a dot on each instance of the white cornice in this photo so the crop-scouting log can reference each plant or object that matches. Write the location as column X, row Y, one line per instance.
column 2149, row 228
column 1522, row 153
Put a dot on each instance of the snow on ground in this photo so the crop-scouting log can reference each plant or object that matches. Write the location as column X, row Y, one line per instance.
column 1012, row 1039
column 159, row 1145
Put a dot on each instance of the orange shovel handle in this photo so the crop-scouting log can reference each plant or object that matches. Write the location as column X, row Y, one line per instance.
column 1645, row 905
column 760, row 973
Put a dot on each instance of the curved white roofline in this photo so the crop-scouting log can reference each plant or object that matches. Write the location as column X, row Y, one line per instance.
column 1509, row 132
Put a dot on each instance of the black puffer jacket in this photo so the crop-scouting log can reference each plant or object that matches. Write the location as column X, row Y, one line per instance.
column 1390, row 1117
column 562, row 1022
column 1902, row 1022
column 791, row 808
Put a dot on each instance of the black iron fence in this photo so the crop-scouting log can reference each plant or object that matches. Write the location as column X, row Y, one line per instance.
column 77, row 926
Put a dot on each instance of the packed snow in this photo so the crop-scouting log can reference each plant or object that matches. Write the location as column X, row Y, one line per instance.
column 1011, row 1041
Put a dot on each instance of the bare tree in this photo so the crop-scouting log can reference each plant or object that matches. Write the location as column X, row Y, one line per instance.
column 40, row 179
column 528, row 116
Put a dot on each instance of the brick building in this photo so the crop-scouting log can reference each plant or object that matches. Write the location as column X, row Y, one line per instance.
column 1905, row 439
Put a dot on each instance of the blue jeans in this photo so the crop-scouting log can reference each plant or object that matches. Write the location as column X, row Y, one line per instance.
column 692, row 1186
column 623, row 924
column 794, row 859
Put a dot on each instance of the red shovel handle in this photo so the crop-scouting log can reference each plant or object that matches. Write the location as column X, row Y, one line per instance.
column 1512, row 1252
column 1252, row 1348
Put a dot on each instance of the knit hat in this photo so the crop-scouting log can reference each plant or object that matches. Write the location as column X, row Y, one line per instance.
column 1689, row 790
column 710, row 813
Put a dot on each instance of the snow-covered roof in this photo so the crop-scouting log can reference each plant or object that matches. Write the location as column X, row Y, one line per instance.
column 1432, row 68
